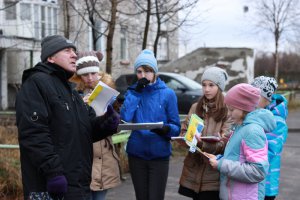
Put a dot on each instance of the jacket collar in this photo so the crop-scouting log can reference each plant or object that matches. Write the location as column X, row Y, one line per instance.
column 48, row 68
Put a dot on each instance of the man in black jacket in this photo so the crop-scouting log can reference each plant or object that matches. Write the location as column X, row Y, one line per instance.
column 56, row 128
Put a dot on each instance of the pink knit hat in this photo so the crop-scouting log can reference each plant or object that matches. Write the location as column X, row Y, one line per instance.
column 243, row 96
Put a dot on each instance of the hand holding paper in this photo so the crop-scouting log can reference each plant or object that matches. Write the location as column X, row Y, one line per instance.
column 101, row 97
column 111, row 119
column 161, row 131
column 195, row 128
column 213, row 160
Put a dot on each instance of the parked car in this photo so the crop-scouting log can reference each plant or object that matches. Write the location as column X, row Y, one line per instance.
column 187, row 90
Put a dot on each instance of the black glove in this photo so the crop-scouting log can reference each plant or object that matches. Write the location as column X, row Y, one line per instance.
column 143, row 82
column 161, row 131
column 111, row 119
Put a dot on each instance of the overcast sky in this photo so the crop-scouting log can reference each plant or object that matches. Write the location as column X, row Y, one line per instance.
column 223, row 24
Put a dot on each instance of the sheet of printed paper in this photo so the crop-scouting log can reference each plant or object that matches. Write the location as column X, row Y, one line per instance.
column 195, row 128
column 101, row 97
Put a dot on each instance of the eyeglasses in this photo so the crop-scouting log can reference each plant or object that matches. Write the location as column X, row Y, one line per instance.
column 145, row 72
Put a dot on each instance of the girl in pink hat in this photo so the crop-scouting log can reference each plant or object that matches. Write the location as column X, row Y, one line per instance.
column 245, row 162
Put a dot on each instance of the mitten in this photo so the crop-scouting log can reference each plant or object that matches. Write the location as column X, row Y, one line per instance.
column 111, row 119
column 161, row 131
column 57, row 186
column 141, row 84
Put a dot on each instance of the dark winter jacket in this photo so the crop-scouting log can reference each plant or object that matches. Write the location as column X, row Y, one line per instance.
column 56, row 131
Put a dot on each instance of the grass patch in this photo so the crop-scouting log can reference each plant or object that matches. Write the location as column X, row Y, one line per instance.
column 10, row 171
column 178, row 150
column 294, row 104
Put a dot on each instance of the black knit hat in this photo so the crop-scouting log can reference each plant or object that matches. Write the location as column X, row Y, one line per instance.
column 53, row 44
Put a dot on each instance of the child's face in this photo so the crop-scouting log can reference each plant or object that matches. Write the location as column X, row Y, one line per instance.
column 90, row 79
column 210, row 89
column 236, row 115
column 263, row 102
column 145, row 72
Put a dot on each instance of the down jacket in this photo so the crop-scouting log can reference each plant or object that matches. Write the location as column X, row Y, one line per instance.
column 276, row 140
column 156, row 103
column 56, row 131
column 106, row 169
column 245, row 163
column 197, row 174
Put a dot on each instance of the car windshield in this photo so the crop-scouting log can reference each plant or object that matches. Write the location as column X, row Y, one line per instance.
column 191, row 83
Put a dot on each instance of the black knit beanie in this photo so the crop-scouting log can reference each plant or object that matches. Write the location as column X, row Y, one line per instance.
column 53, row 44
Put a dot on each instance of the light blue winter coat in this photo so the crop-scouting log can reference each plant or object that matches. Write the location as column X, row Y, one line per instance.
column 276, row 140
column 155, row 103
column 245, row 163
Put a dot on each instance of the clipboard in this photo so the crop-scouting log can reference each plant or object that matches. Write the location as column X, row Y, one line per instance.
column 140, row 126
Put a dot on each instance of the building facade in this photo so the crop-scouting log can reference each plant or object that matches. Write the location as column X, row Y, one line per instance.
column 25, row 22
column 238, row 63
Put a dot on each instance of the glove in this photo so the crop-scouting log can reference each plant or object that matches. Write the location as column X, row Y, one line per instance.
column 57, row 186
column 161, row 131
column 111, row 119
column 141, row 84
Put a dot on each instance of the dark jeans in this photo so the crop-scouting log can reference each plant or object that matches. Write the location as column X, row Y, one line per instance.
column 270, row 197
column 149, row 177
column 205, row 195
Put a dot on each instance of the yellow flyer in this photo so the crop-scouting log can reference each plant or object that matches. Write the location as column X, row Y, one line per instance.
column 195, row 127
column 101, row 97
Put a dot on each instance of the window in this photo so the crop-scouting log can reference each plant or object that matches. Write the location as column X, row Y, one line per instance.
column 49, row 20
column 54, row 30
column 123, row 44
column 163, row 48
column 36, row 9
column 44, row 20
column 98, row 32
column 172, row 83
column 25, row 11
column 10, row 10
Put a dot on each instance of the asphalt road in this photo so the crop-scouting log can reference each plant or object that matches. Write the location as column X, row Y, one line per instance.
column 290, row 170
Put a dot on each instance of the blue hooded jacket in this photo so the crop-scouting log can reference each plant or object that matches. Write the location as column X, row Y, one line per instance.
column 276, row 140
column 155, row 103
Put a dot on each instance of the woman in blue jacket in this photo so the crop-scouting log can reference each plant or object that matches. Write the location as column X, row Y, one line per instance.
column 150, row 100
column 277, row 104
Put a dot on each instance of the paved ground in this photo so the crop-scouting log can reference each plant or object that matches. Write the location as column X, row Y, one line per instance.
column 290, row 176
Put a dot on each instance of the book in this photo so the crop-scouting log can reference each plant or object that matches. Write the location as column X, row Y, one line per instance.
column 195, row 127
column 140, row 126
column 101, row 97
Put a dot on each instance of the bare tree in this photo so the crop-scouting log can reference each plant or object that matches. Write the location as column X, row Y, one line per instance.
column 166, row 12
column 146, row 30
column 66, row 15
column 279, row 18
column 162, row 13
column 106, row 11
